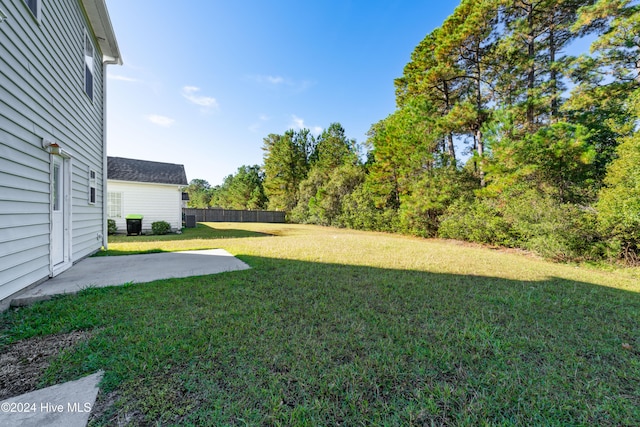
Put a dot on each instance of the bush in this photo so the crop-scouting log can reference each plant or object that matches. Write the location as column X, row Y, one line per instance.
column 160, row 227
column 112, row 228
column 560, row 231
column 528, row 220
column 478, row 221
column 427, row 199
column 359, row 212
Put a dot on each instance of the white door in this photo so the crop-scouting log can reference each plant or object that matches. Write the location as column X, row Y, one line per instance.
column 60, row 213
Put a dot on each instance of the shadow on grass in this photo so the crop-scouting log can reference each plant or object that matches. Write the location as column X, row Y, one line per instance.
column 201, row 232
column 303, row 343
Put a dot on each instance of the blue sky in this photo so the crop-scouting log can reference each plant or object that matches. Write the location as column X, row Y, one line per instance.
column 203, row 84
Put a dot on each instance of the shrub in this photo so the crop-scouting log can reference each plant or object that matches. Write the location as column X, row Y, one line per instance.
column 560, row 231
column 428, row 197
column 359, row 212
column 160, row 227
column 112, row 228
column 526, row 219
column 478, row 221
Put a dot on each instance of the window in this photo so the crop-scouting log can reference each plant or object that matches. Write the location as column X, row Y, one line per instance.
column 57, row 187
column 92, row 187
column 114, row 205
column 34, row 7
column 88, row 66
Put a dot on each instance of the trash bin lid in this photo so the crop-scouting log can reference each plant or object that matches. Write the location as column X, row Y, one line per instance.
column 134, row 216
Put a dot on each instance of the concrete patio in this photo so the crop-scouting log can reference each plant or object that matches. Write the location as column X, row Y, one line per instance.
column 118, row 270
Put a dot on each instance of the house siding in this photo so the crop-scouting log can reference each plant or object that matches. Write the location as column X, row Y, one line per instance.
column 42, row 96
column 156, row 202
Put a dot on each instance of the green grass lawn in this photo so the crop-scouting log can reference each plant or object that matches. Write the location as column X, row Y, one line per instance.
column 341, row 327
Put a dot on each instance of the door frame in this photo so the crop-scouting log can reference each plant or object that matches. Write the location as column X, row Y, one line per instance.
column 67, row 261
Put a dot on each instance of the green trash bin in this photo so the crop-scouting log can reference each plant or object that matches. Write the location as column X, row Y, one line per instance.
column 134, row 224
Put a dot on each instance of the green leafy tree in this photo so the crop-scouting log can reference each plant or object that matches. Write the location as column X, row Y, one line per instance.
column 532, row 72
column 434, row 81
column 359, row 211
column 556, row 159
column 403, row 145
column 335, row 170
column 242, row 190
column 429, row 197
column 333, row 148
column 619, row 203
column 327, row 203
column 286, row 165
column 199, row 192
column 470, row 36
column 605, row 79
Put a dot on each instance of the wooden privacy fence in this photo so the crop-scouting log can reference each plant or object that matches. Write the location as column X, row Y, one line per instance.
column 232, row 215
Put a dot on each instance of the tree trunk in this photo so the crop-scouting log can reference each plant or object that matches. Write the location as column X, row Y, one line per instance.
column 450, row 146
column 553, row 74
column 480, row 148
column 531, row 75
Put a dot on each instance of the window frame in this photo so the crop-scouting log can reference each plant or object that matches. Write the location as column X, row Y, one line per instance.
column 38, row 7
column 111, row 196
column 92, row 189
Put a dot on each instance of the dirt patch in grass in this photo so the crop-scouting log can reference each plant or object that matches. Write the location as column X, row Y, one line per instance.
column 24, row 362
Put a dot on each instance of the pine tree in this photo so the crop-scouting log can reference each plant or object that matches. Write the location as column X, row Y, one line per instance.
column 286, row 164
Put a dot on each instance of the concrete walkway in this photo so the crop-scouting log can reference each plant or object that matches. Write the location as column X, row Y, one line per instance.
column 69, row 404
column 118, row 270
column 62, row 405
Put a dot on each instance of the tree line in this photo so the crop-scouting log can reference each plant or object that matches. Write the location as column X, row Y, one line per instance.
column 500, row 136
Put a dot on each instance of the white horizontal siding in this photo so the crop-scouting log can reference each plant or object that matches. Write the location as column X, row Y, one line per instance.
column 156, row 202
column 13, row 194
column 34, row 271
column 11, row 221
column 42, row 96
column 23, row 245
column 19, row 208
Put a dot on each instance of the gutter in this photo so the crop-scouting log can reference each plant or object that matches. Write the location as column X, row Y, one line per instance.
column 98, row 16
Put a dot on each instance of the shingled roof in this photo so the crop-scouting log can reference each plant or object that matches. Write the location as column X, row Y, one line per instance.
column 121, row 169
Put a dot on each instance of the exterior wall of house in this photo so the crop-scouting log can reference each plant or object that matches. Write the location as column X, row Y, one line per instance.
column 42, row 95
column 156, row 202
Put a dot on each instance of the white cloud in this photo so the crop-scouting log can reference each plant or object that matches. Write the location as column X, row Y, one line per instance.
column 255, row 127
column 160, row 120
column 191, row 94
column 121, row 78
column 298, row 123
column 279, row 81
column 272, row 80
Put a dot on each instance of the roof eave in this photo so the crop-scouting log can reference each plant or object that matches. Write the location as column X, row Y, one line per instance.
column 103, row 30
column 130, row 181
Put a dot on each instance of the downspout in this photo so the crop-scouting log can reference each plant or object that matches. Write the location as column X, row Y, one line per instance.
column 105, row 231
column 105, row 243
